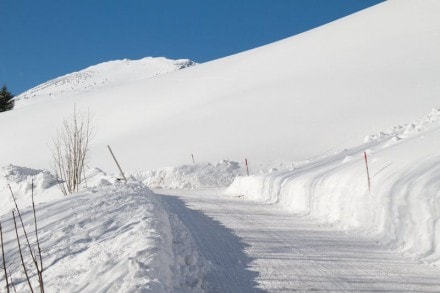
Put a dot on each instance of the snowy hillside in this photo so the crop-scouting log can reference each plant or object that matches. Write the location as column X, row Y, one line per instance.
column 107, row 74
column 308, row 95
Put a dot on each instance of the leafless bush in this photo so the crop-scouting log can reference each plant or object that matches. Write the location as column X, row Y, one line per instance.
column 70, row 149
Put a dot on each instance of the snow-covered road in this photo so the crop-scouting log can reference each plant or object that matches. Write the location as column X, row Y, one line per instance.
column 255, row 247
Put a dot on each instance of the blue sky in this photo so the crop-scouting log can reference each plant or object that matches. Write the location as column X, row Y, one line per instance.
column 45, row 39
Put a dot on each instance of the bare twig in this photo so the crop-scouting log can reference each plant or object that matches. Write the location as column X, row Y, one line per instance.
column 3, row 258
column 12, row 283
column 34, row 259
column 21, row 253
column 39, row 270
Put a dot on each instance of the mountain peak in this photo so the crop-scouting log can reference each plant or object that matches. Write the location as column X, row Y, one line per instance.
column 106, row 74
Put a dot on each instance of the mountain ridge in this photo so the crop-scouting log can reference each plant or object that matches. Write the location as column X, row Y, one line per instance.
column 97, row 76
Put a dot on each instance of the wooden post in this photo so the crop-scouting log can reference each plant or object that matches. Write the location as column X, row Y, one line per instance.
column 368, row 172
column 117, row 164
column 192, row 156
column 247, row 166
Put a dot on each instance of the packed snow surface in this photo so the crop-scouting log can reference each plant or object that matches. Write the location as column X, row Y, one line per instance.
column 304, row 96
column 256, row 247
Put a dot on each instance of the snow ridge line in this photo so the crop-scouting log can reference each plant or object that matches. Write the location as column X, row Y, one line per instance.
column 408, row 129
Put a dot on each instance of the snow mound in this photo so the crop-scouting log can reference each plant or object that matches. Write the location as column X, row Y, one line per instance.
column 108, row 239
column 20, row 181
column 403, row 208
column 19, row 178
column 112, row 73
column 196, row 176
column 205, row 175
column 45, row 185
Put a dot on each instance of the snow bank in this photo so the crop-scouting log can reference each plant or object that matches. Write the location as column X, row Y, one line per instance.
column 20, row 181
column 45, row 185
column 201, row 175
column 403, row 208
column 204, row 175
column 110, row 237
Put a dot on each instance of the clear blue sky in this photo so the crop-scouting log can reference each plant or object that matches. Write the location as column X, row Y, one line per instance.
column 41, row 40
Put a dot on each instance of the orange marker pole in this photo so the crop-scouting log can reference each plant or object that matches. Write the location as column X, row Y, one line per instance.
column 368, row 172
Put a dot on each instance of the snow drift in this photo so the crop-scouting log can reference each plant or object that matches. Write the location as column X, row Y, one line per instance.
column 194, row 176
column 204, row 175
column 311, row 94
column 112, row 237
column 403, row 208
column 19, row 180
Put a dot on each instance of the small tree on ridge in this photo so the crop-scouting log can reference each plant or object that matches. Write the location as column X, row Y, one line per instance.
column 6, row 102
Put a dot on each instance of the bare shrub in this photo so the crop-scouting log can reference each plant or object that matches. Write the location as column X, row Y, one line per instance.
column 70, row 149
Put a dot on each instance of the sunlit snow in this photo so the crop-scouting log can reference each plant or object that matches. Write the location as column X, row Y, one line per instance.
column 303, row 111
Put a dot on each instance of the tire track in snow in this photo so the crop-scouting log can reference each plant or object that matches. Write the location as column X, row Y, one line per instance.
column 258, row 247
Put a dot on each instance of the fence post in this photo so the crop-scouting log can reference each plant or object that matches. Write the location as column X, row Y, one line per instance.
column 192, row 156
column 247, row 166
column 368, row 172
column 117, row 164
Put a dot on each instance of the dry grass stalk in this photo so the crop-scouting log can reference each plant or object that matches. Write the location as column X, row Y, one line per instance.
column 21, row 254
column 3, row 258
column 39, row 269
column 38, row 266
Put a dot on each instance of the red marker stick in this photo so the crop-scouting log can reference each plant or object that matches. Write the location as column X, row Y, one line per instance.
column 368, row 172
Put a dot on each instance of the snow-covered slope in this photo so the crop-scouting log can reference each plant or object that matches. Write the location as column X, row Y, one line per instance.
column 403, row 208
column 107, row 74
column 313, row 93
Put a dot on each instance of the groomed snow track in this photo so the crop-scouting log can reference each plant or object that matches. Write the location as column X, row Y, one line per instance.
column 255, row 247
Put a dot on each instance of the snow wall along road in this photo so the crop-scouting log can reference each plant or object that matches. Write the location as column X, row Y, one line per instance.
column 403, row 207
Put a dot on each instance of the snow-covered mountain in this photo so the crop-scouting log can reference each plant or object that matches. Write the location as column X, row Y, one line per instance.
column 107, row 74
column 316, row 92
